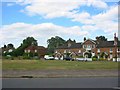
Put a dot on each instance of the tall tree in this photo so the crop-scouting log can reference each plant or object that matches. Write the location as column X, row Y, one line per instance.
column 101, row 38
column 54, row 42
column 26, row 42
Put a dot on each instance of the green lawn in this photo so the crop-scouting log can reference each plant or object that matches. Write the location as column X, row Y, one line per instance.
column 56, row 65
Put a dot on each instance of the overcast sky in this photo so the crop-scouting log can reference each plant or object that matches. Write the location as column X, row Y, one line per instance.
column 44, row 19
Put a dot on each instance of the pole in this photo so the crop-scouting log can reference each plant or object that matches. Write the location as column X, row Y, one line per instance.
column 116, row 53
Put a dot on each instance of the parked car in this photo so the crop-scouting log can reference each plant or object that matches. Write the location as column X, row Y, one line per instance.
column 67, row 58
column 47, row 57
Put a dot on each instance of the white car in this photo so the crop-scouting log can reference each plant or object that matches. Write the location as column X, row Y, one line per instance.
column 47, row 57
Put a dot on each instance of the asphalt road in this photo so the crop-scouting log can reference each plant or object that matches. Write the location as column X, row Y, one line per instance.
column 87, row 82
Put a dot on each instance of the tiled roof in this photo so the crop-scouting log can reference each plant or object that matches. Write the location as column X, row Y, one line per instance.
column 74, row 45
column 107, row 44
column 101, row 44
column 35, row 47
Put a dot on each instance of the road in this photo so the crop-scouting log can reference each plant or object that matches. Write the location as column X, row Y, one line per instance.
column 86, row 82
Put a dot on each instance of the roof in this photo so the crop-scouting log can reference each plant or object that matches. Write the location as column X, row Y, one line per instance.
column 90, row 40
column 103, row 44
column 35, row 47
column 100, row 44
column 74, row 45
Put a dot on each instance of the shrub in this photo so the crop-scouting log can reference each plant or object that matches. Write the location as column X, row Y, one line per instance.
column 94, row 58
column 102, row 59
column 79, row 56
column 26, row 56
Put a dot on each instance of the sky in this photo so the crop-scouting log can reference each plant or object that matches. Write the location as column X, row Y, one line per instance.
column 43, row 19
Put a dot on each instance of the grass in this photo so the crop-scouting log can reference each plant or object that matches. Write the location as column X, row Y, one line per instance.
column 56, row 65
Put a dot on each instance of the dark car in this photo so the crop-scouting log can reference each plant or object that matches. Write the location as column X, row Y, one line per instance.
column 67, row 58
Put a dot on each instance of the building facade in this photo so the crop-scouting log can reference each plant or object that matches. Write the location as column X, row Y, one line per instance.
column 39, row 50
column 90, row 48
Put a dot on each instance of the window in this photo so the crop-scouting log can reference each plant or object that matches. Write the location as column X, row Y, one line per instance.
column 79, row 51
column 10, row 50
column 98, row 50
column 88, row 46
column 25, row 51
column 69, row 44
column 4, row 52
column 35, row 50
column 69, row 51
column 64, row 51
column 93, row 46
column 111, row 56
column 28, row 51
column 56, row 51
column 84, row 46
column 110, row 49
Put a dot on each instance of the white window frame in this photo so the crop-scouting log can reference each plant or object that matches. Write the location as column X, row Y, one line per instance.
column 28, row 50
column 98, row 50
column 35, row 50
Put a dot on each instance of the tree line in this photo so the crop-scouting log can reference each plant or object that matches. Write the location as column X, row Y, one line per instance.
column 52, row 44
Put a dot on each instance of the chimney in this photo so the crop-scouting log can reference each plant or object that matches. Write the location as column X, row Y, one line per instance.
column 84, row 38
column 115, row 40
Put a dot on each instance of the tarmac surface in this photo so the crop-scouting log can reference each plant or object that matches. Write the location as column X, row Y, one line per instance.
column 86, row 82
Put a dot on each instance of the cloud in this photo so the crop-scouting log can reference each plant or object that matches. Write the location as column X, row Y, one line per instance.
column 71, row 9
column 16, row 32
column 57, row 8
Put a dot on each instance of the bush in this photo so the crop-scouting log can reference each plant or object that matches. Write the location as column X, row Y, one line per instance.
column 26, row 56
column 102, row 59
column 94, row 59
column 80, row 57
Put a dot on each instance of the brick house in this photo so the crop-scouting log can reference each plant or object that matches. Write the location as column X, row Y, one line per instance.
column 90, row 47
column 40, row 50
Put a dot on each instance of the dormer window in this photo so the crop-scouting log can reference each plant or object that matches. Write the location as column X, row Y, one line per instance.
column 69, row 44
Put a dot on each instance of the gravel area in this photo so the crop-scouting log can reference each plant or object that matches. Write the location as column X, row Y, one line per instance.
column 58, row 73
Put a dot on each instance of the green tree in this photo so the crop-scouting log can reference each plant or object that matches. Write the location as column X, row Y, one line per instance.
column 101, row 38
column 26, row 42
column 54, row 42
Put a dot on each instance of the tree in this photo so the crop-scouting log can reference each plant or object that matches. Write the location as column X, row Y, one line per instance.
column 53, row 43
column 101, row 38
column 10, row 46
column 26, row 42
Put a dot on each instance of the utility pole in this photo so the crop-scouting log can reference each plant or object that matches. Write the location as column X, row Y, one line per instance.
column 115, row 44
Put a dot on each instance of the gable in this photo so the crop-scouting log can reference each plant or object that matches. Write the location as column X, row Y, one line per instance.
column 88, row 41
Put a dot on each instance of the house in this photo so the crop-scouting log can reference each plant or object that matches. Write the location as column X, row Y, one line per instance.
column 7, row 49
column 90, row 48
column 39, row 50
